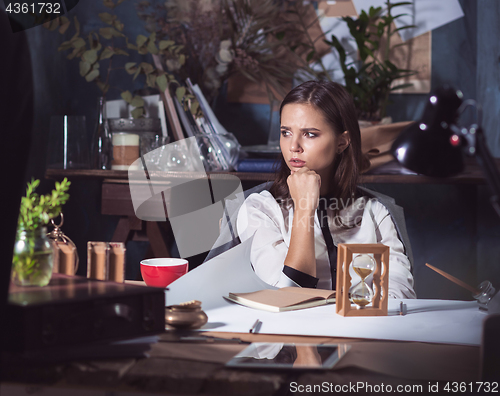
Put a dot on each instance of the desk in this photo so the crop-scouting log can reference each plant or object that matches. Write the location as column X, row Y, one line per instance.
column 198, row 369
column 178, row 367
column 116, row 200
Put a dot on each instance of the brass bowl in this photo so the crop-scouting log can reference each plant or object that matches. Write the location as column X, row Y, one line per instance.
column 186, row 315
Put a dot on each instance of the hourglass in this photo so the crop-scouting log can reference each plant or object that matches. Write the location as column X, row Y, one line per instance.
column 368, row 301
column 362, row 294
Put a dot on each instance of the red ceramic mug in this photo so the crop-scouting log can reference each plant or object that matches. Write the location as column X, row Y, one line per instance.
column 160, row 272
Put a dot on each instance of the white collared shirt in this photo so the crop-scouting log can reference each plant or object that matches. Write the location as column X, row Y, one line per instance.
column 271, row 223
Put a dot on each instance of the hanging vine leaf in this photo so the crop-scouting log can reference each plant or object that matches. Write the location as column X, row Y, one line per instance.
column 65, row 46
column 78, row 43
column 130, row 67
column 152, row 48
column 162, row 83
column 151, row 80
column 147, row 67
column 106, row 53
column 107, row 18
column 141, row 40
column 118, row 25
column 137, row 101
column 164, row 44
column 90, row 56
column 93, row 48
column 92, row 75
column 180, row 92
column 137, row 72
column 84, row 68
column 127, row 96
column 137, row 112
column 109, row 32
column 103, row 87
column 194, row 107
column 119, row 51
column 65, row 23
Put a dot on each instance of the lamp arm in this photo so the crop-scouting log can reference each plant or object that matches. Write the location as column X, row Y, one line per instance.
column 490, row 170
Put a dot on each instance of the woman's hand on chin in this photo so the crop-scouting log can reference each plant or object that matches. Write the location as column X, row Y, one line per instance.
column 304, row 185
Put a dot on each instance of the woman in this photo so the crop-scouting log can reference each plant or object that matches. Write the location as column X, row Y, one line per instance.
column 314, row 204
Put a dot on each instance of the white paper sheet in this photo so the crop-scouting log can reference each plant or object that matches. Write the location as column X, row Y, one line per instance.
column 210, row 114
column 426, row 15
column 231, row 271
column 438, row 321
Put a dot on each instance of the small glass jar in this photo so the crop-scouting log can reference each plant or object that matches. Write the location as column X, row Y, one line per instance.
column 33, row 258
column 486, row 291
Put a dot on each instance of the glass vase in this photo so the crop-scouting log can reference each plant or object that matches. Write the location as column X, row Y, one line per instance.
column 101, row 140
column 33, row 258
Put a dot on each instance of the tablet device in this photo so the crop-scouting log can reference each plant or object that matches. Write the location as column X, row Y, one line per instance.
column 274, row 355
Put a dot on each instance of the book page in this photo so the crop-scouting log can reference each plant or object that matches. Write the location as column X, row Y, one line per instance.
column 305, row 291
column 275, row 298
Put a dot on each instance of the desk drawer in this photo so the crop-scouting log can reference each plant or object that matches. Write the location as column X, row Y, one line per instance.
column 116, row 200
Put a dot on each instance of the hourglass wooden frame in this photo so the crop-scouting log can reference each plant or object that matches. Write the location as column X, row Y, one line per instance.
column 380, row 279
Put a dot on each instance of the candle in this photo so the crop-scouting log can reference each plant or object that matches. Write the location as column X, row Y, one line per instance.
column 125, row 150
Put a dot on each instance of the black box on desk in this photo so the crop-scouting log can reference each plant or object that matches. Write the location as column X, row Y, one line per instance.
column 73, row 310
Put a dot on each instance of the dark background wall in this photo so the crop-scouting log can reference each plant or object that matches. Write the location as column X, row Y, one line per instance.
column 451, row 226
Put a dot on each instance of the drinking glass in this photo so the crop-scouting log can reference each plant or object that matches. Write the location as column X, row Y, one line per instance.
column 153, row 148
column 68, row 143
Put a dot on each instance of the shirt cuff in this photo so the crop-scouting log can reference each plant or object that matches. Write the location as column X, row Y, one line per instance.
column 301, row 278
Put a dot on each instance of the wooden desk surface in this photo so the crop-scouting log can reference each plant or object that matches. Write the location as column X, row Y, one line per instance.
column 198, row 369
column 177, row 367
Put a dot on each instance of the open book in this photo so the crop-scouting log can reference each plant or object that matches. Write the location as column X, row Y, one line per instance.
column 284, row 299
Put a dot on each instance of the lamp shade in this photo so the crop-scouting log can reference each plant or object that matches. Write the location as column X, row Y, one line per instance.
column 429, row 146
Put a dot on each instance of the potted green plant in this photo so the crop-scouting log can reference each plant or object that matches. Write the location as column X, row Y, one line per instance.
column 33, row 256
column 371, row 78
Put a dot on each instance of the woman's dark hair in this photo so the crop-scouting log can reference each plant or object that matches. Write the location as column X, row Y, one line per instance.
column 337, row 106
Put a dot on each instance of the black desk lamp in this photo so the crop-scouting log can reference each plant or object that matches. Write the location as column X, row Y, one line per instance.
column 435, row 145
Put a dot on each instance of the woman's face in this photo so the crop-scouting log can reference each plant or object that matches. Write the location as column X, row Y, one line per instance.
column 308, row 140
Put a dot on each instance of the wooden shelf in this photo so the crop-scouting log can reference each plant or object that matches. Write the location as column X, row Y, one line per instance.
column 471, row 175
column 110, row 175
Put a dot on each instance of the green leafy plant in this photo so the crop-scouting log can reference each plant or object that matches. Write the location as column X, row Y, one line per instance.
column 107, row 50
column 33, row 254
column 370, row 79
column 37, row 210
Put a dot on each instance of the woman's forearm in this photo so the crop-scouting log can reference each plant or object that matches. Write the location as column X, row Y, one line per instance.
column 301, row 255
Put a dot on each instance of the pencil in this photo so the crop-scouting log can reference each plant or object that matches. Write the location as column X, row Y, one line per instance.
column 255, row 327
column 453, row 279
